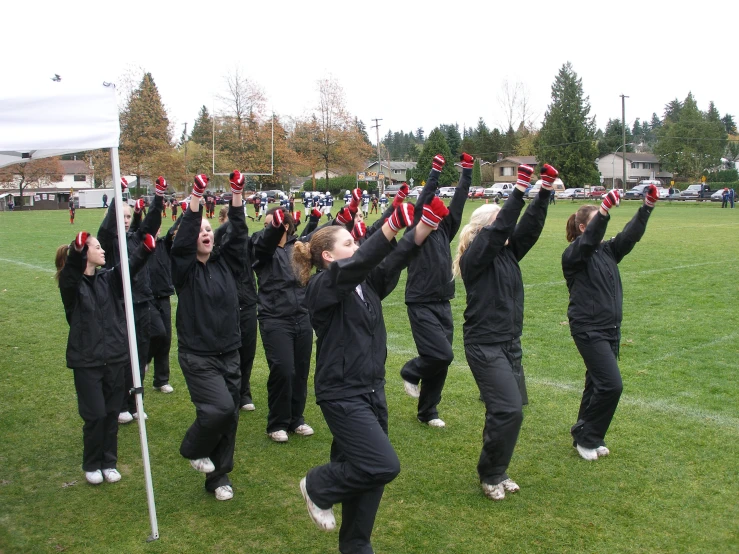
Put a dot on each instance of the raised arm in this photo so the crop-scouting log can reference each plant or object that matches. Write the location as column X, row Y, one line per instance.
column 577, row 253
column 108, row 235
column 624, row 242
column 71, row 274
column 184, row 253
column 452, row 222
column 429, row 189
column 233, row 249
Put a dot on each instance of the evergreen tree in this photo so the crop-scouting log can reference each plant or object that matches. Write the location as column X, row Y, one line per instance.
column 728, row 121
column 476, row 174
column 202, row 130
column 672, row 111
column 436, row 144
column 453, row 138
column 567, row 137
column 420, row 135
column 612, row 140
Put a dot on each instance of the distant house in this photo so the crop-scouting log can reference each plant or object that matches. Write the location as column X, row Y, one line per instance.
column 397, row 172
column 76, row 174
column 506, row 169
column 639, row 166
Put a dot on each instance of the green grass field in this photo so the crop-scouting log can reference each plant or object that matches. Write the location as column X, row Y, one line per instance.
column 670, row 485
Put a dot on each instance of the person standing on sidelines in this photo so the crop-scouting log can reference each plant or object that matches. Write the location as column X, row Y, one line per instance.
column 344, row 301
column 175, row 206
column 283, row 326
column 71, row 212
column 429, row 289
column 208, row 334
column 590, row 266
column 490, row 247
column 247, row 308
column 97, row 347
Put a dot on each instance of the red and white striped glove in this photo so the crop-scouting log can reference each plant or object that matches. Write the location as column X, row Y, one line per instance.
column 236, row 180
column 150, row 243
column 315, row 212
column 161, row 186
column 344, row 216
column 613, row 198
column 124, row 184
column 356, row 198
column 200, row 184
column 434, row 212
column 139, row 205
column 360, row 229
column 524, row 176
column 401, row 217
column 80, row 240
column 467, row 160
column 650, row 196
column 548, row 175
column 278, row 218
column 437, row 164
column 400, row 197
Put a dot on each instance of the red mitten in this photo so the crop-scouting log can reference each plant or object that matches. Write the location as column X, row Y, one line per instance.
column 124, row 184
column 467, row 160
column 356, row 198
column 161, row 186
column 434, row 212
column 236, row 179
column 548, row 175
column 400, row 197
column 524, row 176
column 613, row 198
column 401, row 217
column 437, row 164
column 360, row 229
column 80, row 240
column 150, row 243
column 315, row 212
column 278, row 218
column 139, row 205
column 345, row 215
column 183, row 206
column 650, row 196
column 200, row 184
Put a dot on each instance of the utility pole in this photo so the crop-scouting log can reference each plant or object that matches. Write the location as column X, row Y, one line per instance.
column 185, row 137
column 379, row 162
column 623, row 128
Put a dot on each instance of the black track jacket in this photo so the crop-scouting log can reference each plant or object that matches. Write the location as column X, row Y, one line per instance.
column 590, row 267
column 245, row 281
column 207, row 308
column 94, row 308
column 351, row 344
column 491, row 274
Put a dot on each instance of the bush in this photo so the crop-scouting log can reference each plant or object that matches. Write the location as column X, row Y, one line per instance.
column 722, row 176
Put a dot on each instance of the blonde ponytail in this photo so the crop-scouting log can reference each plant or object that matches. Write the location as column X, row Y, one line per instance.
column 481, row 217
column 60, row 259
column 309, row 254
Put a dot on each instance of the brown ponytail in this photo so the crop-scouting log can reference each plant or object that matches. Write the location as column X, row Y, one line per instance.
column 580, row 217
column 309, row 254
column 61, row 258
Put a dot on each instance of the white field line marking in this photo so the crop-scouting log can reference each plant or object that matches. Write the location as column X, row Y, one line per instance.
column 31, row 266
column 628, row 273
column 681, row 351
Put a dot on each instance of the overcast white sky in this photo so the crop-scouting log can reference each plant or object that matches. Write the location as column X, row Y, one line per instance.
column 413, row 64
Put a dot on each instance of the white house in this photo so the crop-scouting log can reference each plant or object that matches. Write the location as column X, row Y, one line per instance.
column 397, row 172
column 639, row 166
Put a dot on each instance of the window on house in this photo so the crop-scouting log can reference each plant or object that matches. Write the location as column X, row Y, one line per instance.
column 506, row 171
column 80, row 178
column 634, row 166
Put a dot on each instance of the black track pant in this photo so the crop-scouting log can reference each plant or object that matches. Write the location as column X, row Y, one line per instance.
column 142, row 318
column 248, row 315
column 214, row 383
column 433, row 331
column 603, row 386
column 493, row 367
column 159, row 346
column 362, row 462
column 288, row 345
column 99, row 394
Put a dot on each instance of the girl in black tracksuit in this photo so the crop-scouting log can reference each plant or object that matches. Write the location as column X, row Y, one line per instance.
column 209, row 337
column 284, row 326
column 428, row 291
column 487, row 259
column 590, row 266
column 344, row 301
column 97, row 347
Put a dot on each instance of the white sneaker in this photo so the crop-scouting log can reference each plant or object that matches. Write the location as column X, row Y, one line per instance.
column 166, row 389
column 278, row 436
column 248, row 407
column 136, row 416
column 111, row 475
column 125, row 417
column 436, row 423
column 305, row 430
column 224, row 492
column 602, row 451
column 203, row 465
column 509, row 485
column 411, row 390
column 494, row 492
column 324, row 519
column 94, row 477
column 589, row 454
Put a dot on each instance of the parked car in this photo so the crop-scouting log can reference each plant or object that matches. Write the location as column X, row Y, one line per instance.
column 475, row 192
column 597, row 192
column 579, row 193
column 392, row 190
column 718, row 196
column 415, row 192
column 533, row 190
column 446, row 192
column 698, row 192
column 567, row 193
column 636, row 193
column 557, row 185
column 501, row 190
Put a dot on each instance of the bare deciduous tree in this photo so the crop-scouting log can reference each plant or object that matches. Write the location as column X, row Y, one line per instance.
column 33, row 173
